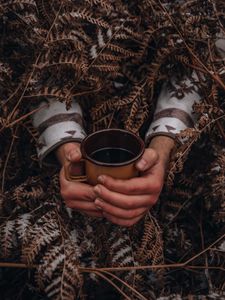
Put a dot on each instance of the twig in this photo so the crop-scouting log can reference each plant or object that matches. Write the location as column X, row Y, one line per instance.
column 115, row 269
column 17, row 265
column 126, row 284
column 26, row 116
column 7, row 159
column 112, row 283
column 203, row 246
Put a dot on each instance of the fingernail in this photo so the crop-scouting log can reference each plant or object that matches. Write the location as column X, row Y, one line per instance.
column 68, row 156
column 97, row 189
column 98, row 204
column 73, row 155
column 142, row 164
column 101, row 179
column 98, row 207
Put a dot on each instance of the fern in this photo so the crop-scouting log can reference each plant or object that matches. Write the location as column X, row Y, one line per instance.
column 8, row 238
column 151, row 244
column 23, row 223
column 38, row 237
column 103, row 3
column 65, row 49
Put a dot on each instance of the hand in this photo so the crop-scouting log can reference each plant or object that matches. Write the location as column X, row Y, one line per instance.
column 78, row 196
column 125, row 202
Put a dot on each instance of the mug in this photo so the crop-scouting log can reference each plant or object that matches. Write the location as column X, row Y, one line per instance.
column 112, row 152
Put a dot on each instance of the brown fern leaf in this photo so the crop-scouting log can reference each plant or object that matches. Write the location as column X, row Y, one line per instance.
column 182, row 59
column 23, row 222
column 50, row 92
column 129, row 30
column 115, row 48
column 21, row 5
column 102, row 109
column 50, row 261
column 133, row 111
column 134, row 94
column 112, row 69
column 8, row 238
column 104, row 122
column 161, row 57
column 140, row 118
column 85, row 15
column 40, row 235
column 46, row 11
column 32, row 131
column 69, row 59
column 67, row 285
column 189, row 3
column 193, row 20
column 207, row 108
column 63, row 37
column 108, row 57
column 151, row 247
column 103, row 3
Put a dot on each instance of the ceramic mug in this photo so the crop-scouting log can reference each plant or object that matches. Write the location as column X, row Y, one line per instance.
column 112, row 152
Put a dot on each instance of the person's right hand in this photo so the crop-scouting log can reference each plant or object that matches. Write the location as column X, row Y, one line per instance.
column 78, row 196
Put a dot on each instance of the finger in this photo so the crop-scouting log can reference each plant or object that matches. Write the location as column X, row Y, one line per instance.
column 124, row 201
column 82, row 205
column 119, row 212
column 146, row 184
column 75, row 190
column 122, row 222
column 72, row 152
column 94, row 214
column 148, row 159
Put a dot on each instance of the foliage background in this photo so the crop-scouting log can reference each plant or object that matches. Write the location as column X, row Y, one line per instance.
column 60, row 50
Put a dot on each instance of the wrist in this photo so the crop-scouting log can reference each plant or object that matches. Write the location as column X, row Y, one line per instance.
column 164, row 146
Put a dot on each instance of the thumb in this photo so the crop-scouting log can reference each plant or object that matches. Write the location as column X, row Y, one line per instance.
column 148, row 160
column 72, row 152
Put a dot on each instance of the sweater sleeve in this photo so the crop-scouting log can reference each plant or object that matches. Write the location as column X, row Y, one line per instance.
column 174, row 108
column 57, row 125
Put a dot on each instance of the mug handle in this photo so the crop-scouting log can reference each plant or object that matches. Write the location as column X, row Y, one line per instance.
column 75, row 177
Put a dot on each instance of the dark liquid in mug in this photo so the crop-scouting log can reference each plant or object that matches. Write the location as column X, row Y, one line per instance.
column 112, row 155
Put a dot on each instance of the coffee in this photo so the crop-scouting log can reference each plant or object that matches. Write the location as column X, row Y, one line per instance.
column 112, row 155
column 112, row 152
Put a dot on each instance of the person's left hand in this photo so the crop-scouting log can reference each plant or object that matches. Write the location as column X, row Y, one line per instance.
column 125, row 202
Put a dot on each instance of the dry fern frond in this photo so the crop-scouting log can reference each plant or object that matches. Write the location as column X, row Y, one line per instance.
column 8, row 238
column 41, row 234
column 113, row 57
column 151, row 236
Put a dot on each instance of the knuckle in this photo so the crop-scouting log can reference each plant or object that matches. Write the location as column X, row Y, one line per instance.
column 153, row 155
